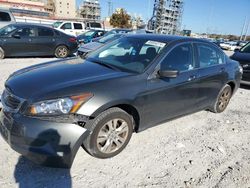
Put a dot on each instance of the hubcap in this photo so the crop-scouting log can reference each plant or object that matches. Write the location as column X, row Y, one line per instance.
column 224, row 99
column 62, row 52
column 112, row 136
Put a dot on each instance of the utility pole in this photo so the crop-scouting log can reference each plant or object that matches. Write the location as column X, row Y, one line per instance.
column 245, row 38
column 243, row 29
column 110, row 8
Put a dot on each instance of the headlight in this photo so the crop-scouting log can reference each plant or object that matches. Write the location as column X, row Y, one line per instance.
column 240, row 69
column 60, row 106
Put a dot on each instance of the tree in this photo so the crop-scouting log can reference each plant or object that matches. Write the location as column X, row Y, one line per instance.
column 120, row 19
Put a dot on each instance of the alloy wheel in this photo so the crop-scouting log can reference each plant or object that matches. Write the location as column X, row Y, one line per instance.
column 224, row 98
column 112, row 136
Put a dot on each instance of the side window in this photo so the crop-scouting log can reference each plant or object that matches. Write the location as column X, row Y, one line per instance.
column 180, row 58
column 25, row 32
column 66, row 26
column 209, row 56
column 78, row 26
column 45, row 32
column 4, row 17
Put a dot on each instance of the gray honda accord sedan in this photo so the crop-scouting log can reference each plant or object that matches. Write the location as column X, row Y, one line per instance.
column 131, row 84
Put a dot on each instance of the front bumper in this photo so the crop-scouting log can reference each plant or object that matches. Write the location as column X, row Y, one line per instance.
column 44, row 142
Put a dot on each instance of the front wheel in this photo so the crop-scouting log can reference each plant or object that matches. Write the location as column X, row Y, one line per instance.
column 110, row 133
column 223, row 99
column 61, row 51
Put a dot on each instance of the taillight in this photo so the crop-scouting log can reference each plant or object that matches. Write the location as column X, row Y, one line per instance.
column 72, row 39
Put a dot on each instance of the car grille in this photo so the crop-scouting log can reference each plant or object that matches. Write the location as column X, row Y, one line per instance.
column 10, row 101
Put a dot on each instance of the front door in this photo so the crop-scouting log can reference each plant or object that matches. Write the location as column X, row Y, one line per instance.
column 168, row 98
column 21, row 42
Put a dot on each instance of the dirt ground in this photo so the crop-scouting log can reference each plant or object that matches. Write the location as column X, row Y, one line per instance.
column 199, row 150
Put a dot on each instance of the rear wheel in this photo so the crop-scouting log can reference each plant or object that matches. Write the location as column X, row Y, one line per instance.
column 61, row 51
column 111, row 132
column 223, row 99
column 1, row 53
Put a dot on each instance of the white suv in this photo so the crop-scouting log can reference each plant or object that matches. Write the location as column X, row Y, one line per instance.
column 70, row 28
column 6, row 18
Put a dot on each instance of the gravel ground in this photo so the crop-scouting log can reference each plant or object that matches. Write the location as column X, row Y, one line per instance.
column 199, row 150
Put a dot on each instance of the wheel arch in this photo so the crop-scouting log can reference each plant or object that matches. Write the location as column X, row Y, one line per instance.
column 124, row 105
column 232, row 84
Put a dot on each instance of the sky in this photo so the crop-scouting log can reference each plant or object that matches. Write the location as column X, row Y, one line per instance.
column 201, row 16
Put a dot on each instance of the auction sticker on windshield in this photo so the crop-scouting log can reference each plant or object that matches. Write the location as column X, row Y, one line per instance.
column 156, row 43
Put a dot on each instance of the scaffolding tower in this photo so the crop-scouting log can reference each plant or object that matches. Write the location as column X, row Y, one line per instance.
column 90, row 10
column 167, row 17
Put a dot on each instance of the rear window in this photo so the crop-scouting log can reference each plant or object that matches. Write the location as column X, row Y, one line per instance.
column 5, row 17
column 78, row 26
column 45, row 32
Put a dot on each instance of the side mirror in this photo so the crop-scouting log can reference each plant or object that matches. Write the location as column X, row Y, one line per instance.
column 168, row 73
column 16, row 36
column 236, row 49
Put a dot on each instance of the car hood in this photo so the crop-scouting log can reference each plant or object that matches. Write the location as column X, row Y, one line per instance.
column 59, row 78
column 90, row 47
column 241, row 57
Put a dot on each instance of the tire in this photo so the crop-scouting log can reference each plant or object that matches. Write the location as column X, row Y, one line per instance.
column 223, row 99
column 1, row 53
column 61, row 51
column 105, row 140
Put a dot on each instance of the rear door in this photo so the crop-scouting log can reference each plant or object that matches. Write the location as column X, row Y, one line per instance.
column 45, row 41
column 212, row 73
column 78, row 28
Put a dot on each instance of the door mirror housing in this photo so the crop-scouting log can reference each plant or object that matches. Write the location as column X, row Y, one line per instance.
column 236, row 49
column 16, row 36
column 168, row 73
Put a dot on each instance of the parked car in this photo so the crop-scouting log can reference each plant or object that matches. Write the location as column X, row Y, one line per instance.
column 113, row 32
column 243, row 56
column 85, row 49
column 6, row 18
column 35, row 40
column 51, row 109
column 89, row 36
column 93, row 26
column 70, row 28
column 229, row 46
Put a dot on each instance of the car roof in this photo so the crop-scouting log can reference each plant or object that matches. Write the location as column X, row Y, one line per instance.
column 165, row 38
column 31, row 25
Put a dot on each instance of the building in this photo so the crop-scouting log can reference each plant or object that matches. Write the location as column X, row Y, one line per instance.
column 30, row 8
column 90, row 10
column 167, row 15
column 64, row 9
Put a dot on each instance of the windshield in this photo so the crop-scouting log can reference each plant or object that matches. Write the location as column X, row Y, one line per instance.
column 96, row 25
column 56, row 24
column 246, row 48
column 7, row 30
column 89, row 33
column 109, row 38
column 128, row 54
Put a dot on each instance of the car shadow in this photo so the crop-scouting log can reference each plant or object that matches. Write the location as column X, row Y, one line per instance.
column 28, row 174
column 245, row 86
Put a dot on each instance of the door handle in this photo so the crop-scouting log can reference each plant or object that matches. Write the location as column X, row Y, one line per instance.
column 193, row 77
column 30, row 40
